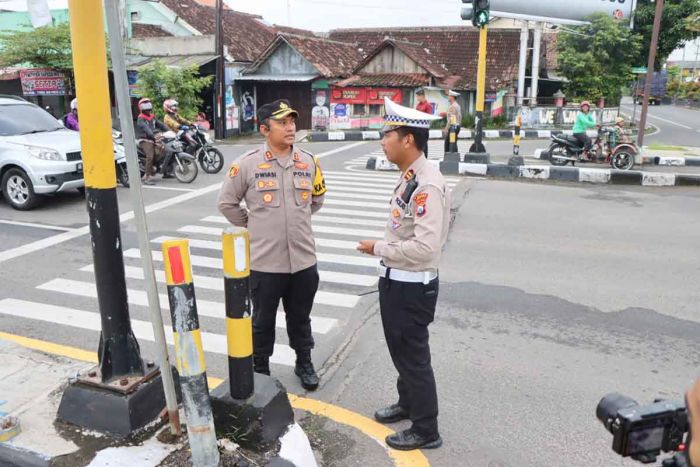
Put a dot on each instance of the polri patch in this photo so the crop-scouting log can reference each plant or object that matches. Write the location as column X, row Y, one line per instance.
column 234, row 170
column 396, row 213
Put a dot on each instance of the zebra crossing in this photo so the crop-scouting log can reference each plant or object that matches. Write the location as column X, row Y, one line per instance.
column 356, row 207
column 436, row 151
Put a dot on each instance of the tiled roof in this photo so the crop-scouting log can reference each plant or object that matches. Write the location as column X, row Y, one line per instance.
column 550, row 51
column 246, row 35
column 332, row 59
column 297, row 31
column 416, row 52
column 454, row 47
column 399, row 80
column 143, row 31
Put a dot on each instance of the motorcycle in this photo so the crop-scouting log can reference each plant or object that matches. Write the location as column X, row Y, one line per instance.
column 184, row 165
column 198, row 143
column 605, row 150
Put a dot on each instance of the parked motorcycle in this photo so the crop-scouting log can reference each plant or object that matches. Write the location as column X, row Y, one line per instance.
column 198, row 143
column 605, row 150
column 183, row 165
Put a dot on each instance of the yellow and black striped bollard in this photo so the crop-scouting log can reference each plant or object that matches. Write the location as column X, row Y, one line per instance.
column 189, row 353
column 239, row 324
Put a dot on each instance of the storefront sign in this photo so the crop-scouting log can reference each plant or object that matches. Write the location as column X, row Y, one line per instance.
column 42, row 82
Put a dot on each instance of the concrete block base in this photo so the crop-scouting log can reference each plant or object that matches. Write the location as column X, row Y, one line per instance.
column 516, row 160
column 117, row 413
column 255, row 422
column 452, row 157
column 477, row 157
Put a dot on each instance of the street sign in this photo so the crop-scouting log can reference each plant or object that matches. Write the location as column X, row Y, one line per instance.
column 562, row 11
column 640, row 70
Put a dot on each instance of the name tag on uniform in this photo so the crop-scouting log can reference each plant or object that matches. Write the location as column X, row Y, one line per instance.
column 265, row 174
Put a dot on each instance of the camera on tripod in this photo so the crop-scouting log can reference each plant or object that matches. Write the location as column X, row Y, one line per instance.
column 643, row 432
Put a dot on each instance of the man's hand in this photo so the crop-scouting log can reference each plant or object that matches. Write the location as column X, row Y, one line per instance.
column 366, row 246
column 693, row 402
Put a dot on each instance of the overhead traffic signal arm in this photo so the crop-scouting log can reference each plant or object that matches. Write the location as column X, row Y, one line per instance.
column 479, row 13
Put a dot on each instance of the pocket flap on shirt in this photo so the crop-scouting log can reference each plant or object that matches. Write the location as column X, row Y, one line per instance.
column 266, row 185
column 302, row 183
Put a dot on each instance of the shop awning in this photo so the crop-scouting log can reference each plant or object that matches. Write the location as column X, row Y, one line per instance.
column 134, row 62
column 297, row 78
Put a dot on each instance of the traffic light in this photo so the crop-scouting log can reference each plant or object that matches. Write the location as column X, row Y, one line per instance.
column 478, row 13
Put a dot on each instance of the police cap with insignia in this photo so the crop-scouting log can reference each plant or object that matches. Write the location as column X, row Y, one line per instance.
column 400, row 116
column 276, row 110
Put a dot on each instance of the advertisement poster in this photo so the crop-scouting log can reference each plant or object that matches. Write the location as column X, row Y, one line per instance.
column 339, row 117
column 133, row 78
column 321, row 114
column 232, row 122
column 42, row 82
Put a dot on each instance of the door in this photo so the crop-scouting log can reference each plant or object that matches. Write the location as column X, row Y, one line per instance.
column 298, row 95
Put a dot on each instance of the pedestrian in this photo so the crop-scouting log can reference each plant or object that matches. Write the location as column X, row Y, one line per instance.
column 408, row 275
column 454, row 117
column 425, row 107
column 584, row 121
column 70, row 121
column 282, row 186
column 148, row 128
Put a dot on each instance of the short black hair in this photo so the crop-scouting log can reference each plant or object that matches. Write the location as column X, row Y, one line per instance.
column 420, row 135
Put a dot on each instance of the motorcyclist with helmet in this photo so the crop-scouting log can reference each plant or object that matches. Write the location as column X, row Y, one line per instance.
column 70, row 120
column 148, row 128
column 172, row 118
column 584, row 122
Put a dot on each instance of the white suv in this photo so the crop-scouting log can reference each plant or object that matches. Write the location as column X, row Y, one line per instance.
column 38, row 155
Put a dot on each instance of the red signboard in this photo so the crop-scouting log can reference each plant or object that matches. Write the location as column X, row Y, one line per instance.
column 364, row 95
column 42, row 82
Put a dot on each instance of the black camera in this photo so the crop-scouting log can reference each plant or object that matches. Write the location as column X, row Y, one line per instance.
column 642, row 432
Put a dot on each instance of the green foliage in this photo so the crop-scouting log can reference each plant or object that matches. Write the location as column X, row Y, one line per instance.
column 597, row 59
column 47, row 47
column 158, row 83
column 692, row 22
column 674, row 28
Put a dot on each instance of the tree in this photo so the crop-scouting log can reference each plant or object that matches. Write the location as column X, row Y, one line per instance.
column 674, row 30
column 693, row 22
column 597, row 58
column 158, row 83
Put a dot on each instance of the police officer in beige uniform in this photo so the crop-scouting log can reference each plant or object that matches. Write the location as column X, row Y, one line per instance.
column 282, row 187
column 408, row 274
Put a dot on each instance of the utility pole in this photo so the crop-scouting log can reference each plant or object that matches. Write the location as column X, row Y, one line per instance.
column 220, row 73
column 650, row 70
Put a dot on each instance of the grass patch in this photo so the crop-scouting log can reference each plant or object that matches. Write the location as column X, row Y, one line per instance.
column 664, row 147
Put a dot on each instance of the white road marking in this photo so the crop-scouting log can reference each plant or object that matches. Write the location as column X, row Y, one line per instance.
column 649, row 114
column 140, row 298
column 316, row 218
column 171, row 188
column 330, row 200
column 355, row 213
column 214, row 343
column 350, row 232
column 322, row 297
column 37, row 226
column 340, row 149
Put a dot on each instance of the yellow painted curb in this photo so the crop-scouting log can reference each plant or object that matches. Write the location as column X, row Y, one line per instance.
column 364, row 424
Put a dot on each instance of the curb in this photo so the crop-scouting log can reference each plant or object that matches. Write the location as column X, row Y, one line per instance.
column 546, row 172
column 688, row 161
column 372, row 135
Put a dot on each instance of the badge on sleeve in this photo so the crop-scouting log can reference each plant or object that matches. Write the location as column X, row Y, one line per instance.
column 420, row 199
column 233, row 171
column 420, row 211
column 301, row 165
column 319, row 181
column 396, row 213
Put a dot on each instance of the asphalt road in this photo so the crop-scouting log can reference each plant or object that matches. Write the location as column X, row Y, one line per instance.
column 677, row 125
column 552, row 295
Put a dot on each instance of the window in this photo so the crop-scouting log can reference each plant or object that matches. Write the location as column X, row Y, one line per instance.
column 359, row 109
column 23, row 119
column 376, row 109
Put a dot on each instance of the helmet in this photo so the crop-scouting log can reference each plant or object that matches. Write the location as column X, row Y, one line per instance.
column 619, row 121
column 145, row 104
column 170, row 105
column 74, row 104
column 585, row 103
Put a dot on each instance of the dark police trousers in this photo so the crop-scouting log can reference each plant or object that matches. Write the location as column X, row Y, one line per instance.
column 407, row 309
column 297, row 292
column 447, row 138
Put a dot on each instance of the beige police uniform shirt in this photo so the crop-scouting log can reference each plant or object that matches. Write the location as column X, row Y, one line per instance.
column 280, row 196
column 417, row 230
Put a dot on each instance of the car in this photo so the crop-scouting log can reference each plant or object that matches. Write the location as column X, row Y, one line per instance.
column 38, row 155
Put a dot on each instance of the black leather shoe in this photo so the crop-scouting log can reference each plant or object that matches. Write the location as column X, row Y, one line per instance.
column 393, row 413
column 304, row 369
column 261, row 365
column 409, row 440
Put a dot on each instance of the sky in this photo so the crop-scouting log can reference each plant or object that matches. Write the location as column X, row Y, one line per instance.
column 322, row 15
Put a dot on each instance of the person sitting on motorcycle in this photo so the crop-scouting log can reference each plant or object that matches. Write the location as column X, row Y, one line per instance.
column 623, row 135
column 148, row 128
column 584, row 121
column 70, row 121
column 172, row 118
